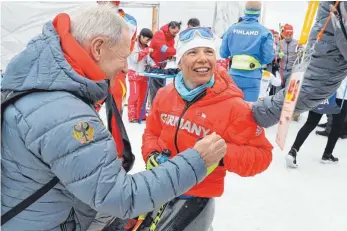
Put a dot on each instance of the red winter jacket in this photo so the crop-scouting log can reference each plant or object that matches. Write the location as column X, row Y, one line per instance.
column 223, row 111
column 163, row 45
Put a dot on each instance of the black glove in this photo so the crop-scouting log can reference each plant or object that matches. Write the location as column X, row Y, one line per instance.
column 128, row 160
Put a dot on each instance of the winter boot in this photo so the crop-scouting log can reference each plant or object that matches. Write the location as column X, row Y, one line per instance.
column 329, row 159
column 322, row 125
column 291, row 158
column 322, row 133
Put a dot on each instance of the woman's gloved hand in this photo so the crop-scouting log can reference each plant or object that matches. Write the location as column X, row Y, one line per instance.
column 156, row 158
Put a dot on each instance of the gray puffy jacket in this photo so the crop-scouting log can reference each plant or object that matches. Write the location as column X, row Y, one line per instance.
column 325, row 72
column 290, row 54
column 38, row 143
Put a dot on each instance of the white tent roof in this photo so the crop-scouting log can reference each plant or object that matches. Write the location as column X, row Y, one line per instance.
column 21, row 21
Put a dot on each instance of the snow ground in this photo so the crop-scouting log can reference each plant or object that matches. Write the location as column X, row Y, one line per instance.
column 312, row 197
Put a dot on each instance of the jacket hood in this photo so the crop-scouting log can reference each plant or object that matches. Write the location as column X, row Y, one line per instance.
column 165, row 28
column 166, row 31
column 42, row 65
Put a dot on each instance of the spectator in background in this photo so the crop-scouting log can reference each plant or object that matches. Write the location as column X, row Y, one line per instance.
column 163, row 43
column 288, row 47
column 250, row 45
column 274, row 67
column 287, row 52
column 137, row 62
column 193, row 22
column 267, row 79
column 328, row 126
column 311, row 123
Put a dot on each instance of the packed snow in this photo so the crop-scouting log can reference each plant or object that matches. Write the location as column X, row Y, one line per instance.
column 312, row 197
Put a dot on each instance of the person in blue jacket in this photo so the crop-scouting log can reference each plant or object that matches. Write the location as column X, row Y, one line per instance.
column 250, row 45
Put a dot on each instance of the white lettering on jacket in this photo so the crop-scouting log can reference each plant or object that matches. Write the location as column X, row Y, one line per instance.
column 191, row 127
column 242, row 32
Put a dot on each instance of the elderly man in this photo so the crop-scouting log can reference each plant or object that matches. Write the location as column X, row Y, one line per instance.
column 118, row 87
column 53, row 134
column 325, row 72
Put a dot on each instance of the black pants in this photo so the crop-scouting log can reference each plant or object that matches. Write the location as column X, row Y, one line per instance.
column 330, row 122
column 311, row 123
column 154, row 85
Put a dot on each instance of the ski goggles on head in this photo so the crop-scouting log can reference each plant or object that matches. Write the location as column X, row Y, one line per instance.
column 190, row 33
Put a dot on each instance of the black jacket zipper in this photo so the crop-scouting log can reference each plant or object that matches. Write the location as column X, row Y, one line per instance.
column 188, row 104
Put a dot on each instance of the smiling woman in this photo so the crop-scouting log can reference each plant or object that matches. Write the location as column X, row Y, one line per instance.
column 203, row 99
column 198, row 66
column 196, row 57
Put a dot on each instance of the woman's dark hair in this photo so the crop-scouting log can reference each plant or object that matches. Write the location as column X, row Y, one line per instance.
column 145, row 32
column 174, row 24
column 193, row 22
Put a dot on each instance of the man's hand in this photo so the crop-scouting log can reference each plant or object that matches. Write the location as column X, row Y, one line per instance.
column 150, row 50
column 212, row 149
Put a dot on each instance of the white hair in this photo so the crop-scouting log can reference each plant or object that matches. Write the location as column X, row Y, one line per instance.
column 102, row 20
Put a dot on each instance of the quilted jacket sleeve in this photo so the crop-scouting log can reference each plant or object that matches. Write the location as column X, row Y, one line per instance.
column 85, row 161
column 248, row 150
column 325, row 72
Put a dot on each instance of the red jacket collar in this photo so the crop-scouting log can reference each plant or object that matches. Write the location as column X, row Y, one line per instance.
column 166, row 31
column 74, row 53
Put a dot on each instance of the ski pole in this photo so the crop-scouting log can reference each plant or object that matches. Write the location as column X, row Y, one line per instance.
column 165, row 155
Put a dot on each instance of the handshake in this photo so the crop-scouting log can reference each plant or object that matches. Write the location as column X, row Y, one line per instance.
column 212, row 149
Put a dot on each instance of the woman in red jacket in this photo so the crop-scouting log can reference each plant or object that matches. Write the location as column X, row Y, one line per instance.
column 203, row 100
column 163, row 45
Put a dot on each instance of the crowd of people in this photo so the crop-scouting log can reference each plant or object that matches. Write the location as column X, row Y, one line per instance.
column 66, row 170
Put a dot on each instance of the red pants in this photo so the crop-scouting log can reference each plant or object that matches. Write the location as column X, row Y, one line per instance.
column 118, row 90
column 138, row 88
